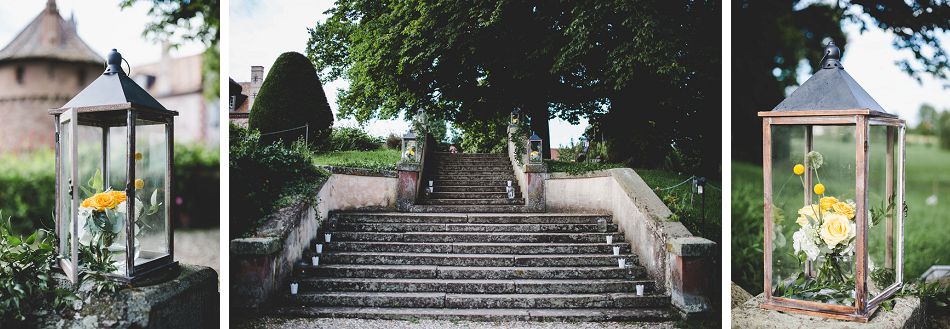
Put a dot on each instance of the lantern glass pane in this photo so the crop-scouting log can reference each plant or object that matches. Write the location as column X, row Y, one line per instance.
column 151, row 167
column 65, row 201
column 812, row 243
column 883, row 224
column 102, row 210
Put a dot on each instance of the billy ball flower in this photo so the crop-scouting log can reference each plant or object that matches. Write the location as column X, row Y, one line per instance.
column 799, row 169
column 820, row 189
column 139, row 184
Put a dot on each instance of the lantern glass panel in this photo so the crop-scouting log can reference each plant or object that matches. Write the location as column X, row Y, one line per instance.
column 884, row 219
column 151, row 174
column 812, row 243
column 534, row 155
column 65, row 201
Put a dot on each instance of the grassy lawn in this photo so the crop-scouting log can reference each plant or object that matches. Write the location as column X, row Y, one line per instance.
column 575, row 168
column 924, row 228
column 685, row 204
column 382, row 159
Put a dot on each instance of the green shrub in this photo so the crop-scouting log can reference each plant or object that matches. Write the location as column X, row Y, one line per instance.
column 26, row 282
column 377, row 160
column 265, row 177
column 393, row 142
column 27, row 186
column 291, row 96
column 351, row 139
column 197, row 186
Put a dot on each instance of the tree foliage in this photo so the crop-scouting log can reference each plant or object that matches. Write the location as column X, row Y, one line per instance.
column 178, row 21
column 654, row 61
column 290, row 98
column 772, row 38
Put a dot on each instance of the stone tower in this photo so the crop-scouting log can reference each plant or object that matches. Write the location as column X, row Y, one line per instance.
column 42, row 68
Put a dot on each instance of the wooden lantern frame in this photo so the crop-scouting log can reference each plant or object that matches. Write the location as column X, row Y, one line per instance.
column 861, row 120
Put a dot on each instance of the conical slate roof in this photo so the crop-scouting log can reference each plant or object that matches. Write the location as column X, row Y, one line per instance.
column 49, row 36
column 113, row 90
column 830, row 88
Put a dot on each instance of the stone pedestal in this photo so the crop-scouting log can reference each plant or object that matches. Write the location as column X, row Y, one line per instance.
column 908, row 312
column 408, row 186
column 189, row 300
column 689, row 273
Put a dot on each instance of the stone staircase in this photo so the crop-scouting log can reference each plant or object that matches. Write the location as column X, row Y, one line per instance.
column 473, row 266
column 470, row 182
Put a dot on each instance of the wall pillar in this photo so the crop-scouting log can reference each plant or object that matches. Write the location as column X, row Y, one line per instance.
column 407, row 188
column 690, row 267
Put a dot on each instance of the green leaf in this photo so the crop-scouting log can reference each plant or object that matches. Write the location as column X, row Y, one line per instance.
column 154, row 197
column 95, row 182
column 15, row 241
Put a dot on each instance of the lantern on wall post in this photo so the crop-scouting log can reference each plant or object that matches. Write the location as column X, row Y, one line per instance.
column 515, row 118
column 114, row 158
column 423, row 119
column 834, row 245
column 534, row 149
column 409, row 147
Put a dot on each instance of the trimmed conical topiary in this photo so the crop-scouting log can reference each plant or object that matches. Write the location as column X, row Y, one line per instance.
column 291, row 96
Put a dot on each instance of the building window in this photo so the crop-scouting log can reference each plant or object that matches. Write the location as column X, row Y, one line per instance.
column 81, row 77
column 19, row 74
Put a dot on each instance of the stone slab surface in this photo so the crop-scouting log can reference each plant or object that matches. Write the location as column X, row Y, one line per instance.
column 907, row 313
column 275, row 322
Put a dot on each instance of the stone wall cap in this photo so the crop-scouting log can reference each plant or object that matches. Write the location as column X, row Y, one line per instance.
column 360, row 171
column 693, row 246
column 589, row 174
column 255, row 246
column 409, row 166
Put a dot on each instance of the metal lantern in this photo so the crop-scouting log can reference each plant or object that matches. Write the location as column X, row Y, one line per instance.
column 409, row 147
column 515, row 117
column 114, row 157
column 834, row 236
column 534, row 149
column 422, row 118
column 585, row 144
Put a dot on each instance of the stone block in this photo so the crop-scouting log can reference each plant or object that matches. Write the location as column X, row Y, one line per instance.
column 908, row 312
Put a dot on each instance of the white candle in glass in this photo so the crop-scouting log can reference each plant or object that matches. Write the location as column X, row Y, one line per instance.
column 319, row 248
column 610, row 239
column 616, row 251
column 639, row 290
column 293, row 288
column 326, row 237
column 621, row 262
column 315, row 260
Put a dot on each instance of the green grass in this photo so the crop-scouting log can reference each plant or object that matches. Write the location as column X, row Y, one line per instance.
column 382, row 159
column 688, row 211
column 578, row 168
column 924, row 229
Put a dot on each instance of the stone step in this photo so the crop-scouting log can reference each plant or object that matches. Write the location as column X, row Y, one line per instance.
column 497, row 176
column 463, row 301
column 466, row 202
column 478, row 260
column 471, row 168
column 494, row 315
column 434, row 208
column 471, row 195
column 478, row 248
column 462, row 181
column 468, row 272
column 475, row 237
column 470, row 218
column 465, row 227
column 456, row 286
column 473, row 189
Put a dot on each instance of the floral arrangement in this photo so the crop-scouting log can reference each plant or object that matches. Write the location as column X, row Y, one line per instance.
column 823, row 244
column 410, row 152
column 102, row 215
column 534, row 156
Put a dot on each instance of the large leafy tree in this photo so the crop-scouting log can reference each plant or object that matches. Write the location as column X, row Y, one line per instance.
column 631, row 63
column 772, row 38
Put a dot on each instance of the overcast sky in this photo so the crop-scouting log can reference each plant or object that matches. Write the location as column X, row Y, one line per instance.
column 100, row 23
column 261, row 32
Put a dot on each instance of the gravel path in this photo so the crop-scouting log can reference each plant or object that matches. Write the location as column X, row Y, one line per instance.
column 272, row 322
column 198, row 247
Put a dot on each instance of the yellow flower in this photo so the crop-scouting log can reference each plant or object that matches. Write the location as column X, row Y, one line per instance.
column 826, row 202
column 844, row 208
column 807, row 214
column 799, row 169
column 836, row 229
column 820, row 189
column 139, row 184
column 138, row 155
column 104, row 200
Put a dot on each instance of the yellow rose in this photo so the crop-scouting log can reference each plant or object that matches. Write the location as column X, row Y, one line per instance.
column 119, row 197
column 807, row 214
column 827, row 202
column 87, row 203
column 836, row 229
column 843, row 208
column 102, row 201
column 799, row 169
column 820, row 189
column 139, row 184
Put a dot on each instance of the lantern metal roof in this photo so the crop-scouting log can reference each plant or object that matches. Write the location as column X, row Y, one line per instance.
column 114, row 90
column 409, row 135
column 831, row 88
column 534, row 137
column 49, row 36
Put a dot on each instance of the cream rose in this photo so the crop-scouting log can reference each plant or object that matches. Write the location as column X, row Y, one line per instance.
column 807, row 215
column 836, row 229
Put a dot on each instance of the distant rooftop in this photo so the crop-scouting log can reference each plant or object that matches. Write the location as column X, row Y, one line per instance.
column 49, row 36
